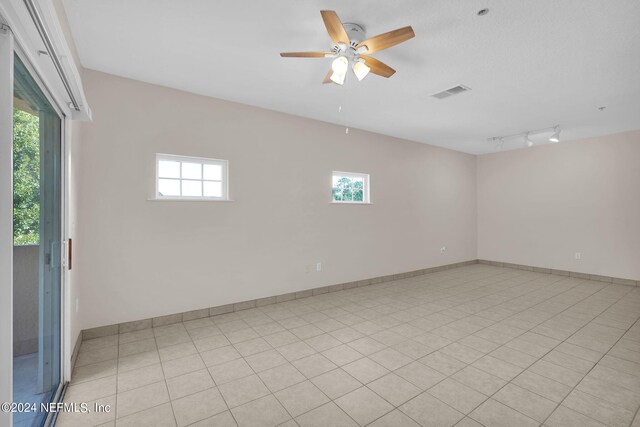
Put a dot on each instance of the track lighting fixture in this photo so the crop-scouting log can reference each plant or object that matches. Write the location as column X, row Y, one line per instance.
column 526, row 137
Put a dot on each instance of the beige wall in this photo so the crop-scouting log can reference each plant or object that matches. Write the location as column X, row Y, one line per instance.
column 540, row 206
column 66, row 30
column 136, row 258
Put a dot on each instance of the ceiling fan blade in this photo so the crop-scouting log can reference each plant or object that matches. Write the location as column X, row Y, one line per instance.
column 305, row 54
column 327, row 78
column 378, row 67
column 334, row 27
column 386, row 40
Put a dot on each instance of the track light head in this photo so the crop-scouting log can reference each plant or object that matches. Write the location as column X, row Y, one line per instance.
column 556, row 135
column 528, row 140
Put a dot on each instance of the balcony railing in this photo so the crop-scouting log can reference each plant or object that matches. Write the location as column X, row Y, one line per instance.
column 25, row 299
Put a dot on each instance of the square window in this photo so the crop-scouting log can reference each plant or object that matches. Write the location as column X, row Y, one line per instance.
column 191, row 170
column 212, row 172
column 212, row 189
column 169, row 187
column 168, row 169
column 191, row 188
column 350, row 187
column 191, row 178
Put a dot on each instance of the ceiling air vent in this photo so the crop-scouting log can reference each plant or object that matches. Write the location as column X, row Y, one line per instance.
column 451, row 91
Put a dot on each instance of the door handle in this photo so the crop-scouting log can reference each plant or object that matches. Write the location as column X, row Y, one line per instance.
column 67, row 255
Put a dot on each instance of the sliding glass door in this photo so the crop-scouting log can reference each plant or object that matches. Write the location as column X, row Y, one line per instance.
column 37, row 237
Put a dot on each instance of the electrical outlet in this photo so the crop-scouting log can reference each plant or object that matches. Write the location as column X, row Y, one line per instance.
column 443, row 249
column 578, row 255
column 318, row 266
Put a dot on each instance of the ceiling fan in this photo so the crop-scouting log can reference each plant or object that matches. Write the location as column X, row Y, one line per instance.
column 350, row 46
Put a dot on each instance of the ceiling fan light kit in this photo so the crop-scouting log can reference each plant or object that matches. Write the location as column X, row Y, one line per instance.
column 349, row 46
column 339, row 66
column 360, row 69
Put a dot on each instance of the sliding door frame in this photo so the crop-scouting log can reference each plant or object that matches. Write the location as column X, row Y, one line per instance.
column 10, row 44
column 6, row 219
column 65, row 376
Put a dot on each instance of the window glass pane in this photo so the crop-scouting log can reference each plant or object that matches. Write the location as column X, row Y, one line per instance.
column 191, row 170
column 192, row 188
column 347, row 194
column 168, row 187
column 168, row 169
column 342, row 188
column 212, row 189
column 357, row 196
column 212, row 172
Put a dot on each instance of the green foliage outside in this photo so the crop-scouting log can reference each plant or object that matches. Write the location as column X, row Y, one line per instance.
column 347, row 189
column 26, row 178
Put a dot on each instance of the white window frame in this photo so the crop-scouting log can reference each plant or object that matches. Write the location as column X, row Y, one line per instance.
column 202, row 161
column 366, row 196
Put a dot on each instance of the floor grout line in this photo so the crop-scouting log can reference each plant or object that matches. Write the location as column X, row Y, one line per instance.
column 165, row 382
column 594, row 365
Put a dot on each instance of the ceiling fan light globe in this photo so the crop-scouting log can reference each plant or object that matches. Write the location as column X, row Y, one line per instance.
column 340, row 65
column 360, row 69
column 338, row 77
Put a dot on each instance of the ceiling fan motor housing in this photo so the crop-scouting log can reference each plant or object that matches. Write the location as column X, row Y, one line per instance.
column 355, row 32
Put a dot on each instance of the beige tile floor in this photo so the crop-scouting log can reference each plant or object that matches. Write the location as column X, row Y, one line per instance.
column 477, row 345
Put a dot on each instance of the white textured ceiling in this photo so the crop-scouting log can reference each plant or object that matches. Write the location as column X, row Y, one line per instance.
column 530, row 64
